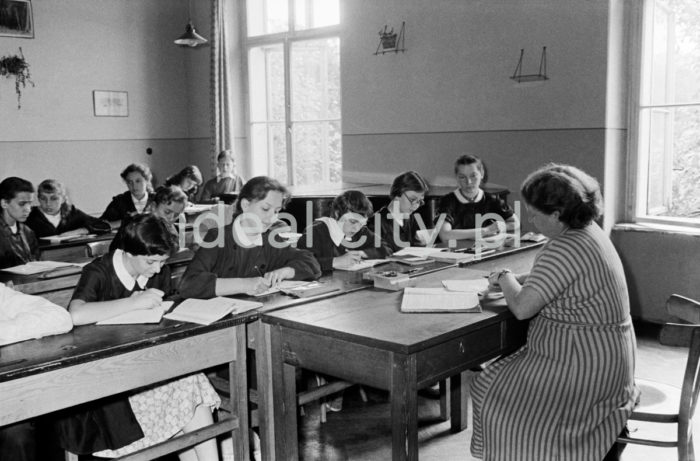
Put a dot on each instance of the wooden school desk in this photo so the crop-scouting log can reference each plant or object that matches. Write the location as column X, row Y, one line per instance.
column 362, row 337
column 73, row 249
column 44, row 375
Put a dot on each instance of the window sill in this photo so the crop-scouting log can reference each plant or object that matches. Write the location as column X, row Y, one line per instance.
column 656, row 228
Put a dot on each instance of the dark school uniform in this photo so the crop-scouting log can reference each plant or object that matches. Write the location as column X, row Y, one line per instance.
column 108, row 423
column 18, row 247
column 325, row 249
column 215, row 187
column 406, row 231
column 461, row 213
column 232, row 260
column 120, row 207
column 71, row 219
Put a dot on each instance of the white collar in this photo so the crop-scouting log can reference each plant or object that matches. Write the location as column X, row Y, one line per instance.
column 462, row 199
column 123, row 275
column 54, row 219
column 398, row 217
column 242, row 238
column 140, row 205
column 337, row 234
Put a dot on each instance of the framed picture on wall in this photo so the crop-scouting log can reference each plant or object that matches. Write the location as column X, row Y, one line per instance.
column 110, row 103
column 16, row 19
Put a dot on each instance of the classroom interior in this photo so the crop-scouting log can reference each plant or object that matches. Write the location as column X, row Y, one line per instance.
column 449, row 93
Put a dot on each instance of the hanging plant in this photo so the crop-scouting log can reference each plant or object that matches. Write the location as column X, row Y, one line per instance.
column 17, row 67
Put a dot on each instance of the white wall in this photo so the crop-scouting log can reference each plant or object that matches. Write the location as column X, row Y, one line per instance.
column 86, row 45
column 450, row 92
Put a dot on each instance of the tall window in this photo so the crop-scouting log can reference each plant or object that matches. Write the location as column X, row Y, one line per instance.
column 667, row 108
column 293, row 50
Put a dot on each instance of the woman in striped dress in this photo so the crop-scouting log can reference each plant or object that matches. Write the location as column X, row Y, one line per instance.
column 568, row 392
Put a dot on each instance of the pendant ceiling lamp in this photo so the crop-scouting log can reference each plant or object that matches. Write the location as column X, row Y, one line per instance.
column 190, row 37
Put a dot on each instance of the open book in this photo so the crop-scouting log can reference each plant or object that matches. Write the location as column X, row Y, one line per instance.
column 364, row 264
column 139, row 316
column 434, row 300
column 36, row 267
column 206, row 311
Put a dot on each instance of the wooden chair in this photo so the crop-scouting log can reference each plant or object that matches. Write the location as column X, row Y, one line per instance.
column 686, row 397
column 95, row 249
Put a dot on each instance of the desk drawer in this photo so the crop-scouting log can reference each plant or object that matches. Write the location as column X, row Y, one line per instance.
column 458, row 354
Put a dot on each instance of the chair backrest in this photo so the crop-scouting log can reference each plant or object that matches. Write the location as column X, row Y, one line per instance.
column 100, row 248
column 684, row 308
column 691, row 380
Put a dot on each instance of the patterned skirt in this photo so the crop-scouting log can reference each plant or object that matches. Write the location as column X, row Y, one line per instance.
column 163, row 411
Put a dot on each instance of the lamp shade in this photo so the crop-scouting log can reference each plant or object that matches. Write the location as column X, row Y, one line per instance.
column 190, row 37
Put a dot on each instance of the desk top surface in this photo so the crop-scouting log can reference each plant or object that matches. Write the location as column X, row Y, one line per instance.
column 45, row 244
column 92, row 342
column 372, row 317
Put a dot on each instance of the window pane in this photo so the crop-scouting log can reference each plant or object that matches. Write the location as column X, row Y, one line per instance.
column 674, row 53
column 266, row 75
column 269, row 150
column 317, row 153
column 316, row 13
column 674, row 162
column 315, row 81
column 266, row 17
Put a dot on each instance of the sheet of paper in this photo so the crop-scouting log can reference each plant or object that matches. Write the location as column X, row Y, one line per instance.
column 198, row 208
column 139, row 316
column 282, row 286
column 36, row 267
column 423, row 252
column 439, row 300
column 364, row 264
column 472, row 286
column 206, row 311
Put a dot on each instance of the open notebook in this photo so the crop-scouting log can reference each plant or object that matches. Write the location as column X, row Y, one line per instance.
column 206, row 311
column 435, row 300
column 364, row 264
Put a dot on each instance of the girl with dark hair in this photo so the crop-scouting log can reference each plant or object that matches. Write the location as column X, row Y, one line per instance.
column 56, row 215
column 243, row 257
column 226, row 180
column 461, row 208
column 130, row 278
column 343, row 239
column 18, row 244
column 395, row 222
column 138, row 179
column 188, row 179
column 168, row 203
column 568, row 392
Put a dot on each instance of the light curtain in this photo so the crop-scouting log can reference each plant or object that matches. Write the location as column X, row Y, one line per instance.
column 220, row 80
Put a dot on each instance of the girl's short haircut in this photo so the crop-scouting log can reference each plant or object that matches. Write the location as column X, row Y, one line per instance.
column 257, row 189
column 353, row 201
column 566, row 189
column 53, row 186
column 141, row 169
column 10, row 187
column 225, row 154
column 408, row 181
column 468, row 159
column 189, row 172
column 169, row 194
column 148, row 235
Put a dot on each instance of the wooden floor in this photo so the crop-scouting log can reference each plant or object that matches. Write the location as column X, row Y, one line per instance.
column 362, row 431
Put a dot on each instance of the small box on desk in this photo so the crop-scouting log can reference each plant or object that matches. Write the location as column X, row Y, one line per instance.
column 392, row 280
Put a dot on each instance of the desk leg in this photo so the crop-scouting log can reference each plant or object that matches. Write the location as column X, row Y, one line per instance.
column 404, row 409
column 238, row 380
column 283, row 401
column 264, row 383
column 459, row 401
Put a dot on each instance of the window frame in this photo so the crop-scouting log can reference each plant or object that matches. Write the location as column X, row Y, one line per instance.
column 637, row 192
column 286, row 39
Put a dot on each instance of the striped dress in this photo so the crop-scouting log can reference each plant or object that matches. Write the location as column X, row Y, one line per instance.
column 568, row 392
